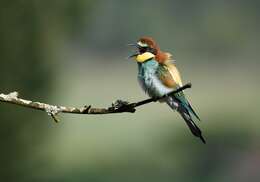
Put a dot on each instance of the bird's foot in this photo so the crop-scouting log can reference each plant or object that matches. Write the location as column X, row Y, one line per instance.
column 122, row 106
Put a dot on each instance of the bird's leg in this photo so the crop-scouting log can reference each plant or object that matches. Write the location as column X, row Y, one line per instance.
column 122, row 106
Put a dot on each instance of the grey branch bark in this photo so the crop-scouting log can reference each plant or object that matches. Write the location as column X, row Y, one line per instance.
column 53, row 110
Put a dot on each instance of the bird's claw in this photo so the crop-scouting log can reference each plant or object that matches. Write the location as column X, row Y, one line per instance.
column 122, row 106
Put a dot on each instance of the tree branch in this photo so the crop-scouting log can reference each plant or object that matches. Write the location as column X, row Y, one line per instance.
column 118, row 107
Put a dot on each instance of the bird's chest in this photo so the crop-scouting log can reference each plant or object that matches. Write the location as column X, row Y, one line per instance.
column 149, row 81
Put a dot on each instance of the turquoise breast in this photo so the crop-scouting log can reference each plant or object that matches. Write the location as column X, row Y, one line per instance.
column 149, row 81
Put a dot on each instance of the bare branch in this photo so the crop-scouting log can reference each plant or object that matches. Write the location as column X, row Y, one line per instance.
column 118, row 107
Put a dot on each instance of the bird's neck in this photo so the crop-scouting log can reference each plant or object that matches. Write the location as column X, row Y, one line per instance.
column 162, row 57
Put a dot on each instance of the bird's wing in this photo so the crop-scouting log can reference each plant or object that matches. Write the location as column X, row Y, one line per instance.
column 169, row 75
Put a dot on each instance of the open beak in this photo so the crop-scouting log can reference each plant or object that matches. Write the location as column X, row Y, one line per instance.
column 136, row 53
column 134, row 45
column 133, row 55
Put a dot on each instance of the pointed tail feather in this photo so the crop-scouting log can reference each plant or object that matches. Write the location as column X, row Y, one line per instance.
column 185, row 113
column 193, row 112
column 193, row 127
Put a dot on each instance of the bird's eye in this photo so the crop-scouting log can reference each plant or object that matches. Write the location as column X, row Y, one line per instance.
column 142, row 50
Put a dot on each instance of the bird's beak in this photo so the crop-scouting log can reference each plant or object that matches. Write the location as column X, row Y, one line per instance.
column 134, row 45
column 133, row 55
column 136, row 53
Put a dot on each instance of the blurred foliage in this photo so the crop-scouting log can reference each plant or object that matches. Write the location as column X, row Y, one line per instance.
column 71, row 52
column 26, row 55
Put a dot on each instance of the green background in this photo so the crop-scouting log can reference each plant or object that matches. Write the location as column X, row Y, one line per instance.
column 72, row 52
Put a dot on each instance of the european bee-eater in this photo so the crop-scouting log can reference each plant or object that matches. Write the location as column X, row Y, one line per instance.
column 158, row 75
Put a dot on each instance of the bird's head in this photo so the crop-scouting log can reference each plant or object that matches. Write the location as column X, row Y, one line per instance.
column 146, row 49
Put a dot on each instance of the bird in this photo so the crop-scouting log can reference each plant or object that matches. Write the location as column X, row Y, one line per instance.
column 158, row 76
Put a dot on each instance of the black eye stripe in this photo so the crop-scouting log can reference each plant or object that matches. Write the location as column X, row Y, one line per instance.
column 151, row 50
column 146, row 49
column 142, row 49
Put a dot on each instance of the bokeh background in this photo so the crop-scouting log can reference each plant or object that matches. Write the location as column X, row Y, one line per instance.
column 72, row 52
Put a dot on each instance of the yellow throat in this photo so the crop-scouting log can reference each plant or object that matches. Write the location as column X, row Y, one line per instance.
column 144, row 57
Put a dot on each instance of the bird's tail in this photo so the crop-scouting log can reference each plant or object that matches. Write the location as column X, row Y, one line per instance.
column 193, row 127
column 174, row 103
